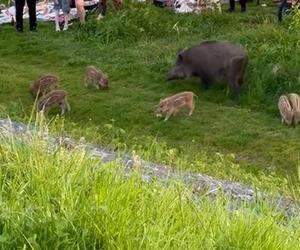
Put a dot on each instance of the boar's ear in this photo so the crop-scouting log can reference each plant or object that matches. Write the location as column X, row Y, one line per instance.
column 180, row 50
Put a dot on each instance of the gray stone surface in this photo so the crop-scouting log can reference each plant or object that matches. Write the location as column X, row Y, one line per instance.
column 200, row 183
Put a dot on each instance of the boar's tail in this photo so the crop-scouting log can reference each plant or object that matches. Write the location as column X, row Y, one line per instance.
column 195, row 95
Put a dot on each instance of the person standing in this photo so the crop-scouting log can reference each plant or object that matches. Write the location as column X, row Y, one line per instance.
column 232, row 5
column 32, row 14
column 80, row 10
column 65, row 7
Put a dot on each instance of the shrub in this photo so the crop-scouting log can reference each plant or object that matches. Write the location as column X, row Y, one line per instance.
column 295, row 19
column 128, row 25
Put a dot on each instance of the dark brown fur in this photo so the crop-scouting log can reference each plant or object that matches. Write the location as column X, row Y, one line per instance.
column 43, row 85
column 56, row 98
column 95, row 77
column 212, row 61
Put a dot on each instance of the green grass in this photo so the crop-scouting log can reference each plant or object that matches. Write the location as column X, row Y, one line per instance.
column 137, row 47
column 64, row 200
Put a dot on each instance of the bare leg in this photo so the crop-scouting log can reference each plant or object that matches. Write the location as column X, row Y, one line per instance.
column 80, row 10
column 219, row 6
column 57, row 28
column 66, row 17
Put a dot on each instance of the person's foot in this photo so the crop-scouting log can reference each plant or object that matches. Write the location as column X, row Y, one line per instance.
column 100, row 16
column 19, row 29
column 33, row 29
column 57, row 28
column 243, row 10
column 230, row 10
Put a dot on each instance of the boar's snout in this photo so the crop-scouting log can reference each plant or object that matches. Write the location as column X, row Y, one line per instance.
column 103, row 83
column 178, row 72
column 170, row 76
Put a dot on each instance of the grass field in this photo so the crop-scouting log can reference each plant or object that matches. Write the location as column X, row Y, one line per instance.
column 136, row 47
column 64, row 200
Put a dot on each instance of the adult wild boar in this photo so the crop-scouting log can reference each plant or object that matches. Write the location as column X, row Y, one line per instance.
column 212, row 61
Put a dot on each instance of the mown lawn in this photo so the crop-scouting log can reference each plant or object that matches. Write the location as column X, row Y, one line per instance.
column 137, row 47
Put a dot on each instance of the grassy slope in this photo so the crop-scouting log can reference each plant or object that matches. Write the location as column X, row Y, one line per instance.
column 63, row 200
column 137, row 68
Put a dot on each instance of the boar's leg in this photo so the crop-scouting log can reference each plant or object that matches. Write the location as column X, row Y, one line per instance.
column 64, row 106
column 45, row 110
column 175, row 111
column 169, row 113
column 85, row 81
column 236, row 74
column 192, row 108
column 205, row 82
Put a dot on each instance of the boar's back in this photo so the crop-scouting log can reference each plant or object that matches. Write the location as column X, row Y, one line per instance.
column 212, row 58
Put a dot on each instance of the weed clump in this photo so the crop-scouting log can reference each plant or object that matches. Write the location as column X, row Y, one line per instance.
column 128, row 25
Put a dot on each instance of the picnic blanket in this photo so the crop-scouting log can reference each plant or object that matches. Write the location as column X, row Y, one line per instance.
column 186, row 6
column 44, row 12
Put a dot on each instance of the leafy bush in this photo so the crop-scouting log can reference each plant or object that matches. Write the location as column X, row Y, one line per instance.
column 295, row 22
column 129, row 24
column 140, row 20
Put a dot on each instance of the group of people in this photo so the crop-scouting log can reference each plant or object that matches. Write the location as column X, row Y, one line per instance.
column 232, row 5
column 64, row 5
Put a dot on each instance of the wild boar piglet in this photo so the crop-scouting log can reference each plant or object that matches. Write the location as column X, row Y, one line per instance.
column 171, row 105
column 285, row 109
column 43, row 85
column 95, row 77
column 56, row 98
column 294, row 100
